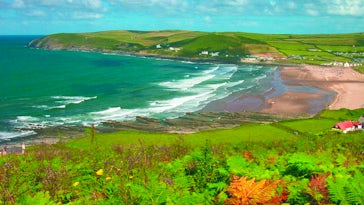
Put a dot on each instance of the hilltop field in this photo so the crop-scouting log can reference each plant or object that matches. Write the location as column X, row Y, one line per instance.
column 236, row 47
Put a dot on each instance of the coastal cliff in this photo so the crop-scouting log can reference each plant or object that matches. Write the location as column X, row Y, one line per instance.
column 325, row 49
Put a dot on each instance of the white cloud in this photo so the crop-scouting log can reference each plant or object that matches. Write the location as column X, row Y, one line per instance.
column 94, row 4
column 35, row 13
column 18, row 4
column 86, row 15
column 61, row 4
column 207, row 19
column 311, row 9
column 312, row 12
column 346, row 7
column 291, row 5
column 236, row 2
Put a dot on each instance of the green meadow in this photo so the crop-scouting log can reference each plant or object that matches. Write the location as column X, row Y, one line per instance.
column 288, row 162
column 231, row 46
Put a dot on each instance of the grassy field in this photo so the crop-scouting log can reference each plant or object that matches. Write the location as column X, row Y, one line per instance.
column 310, row 49
column 288, row 162
column 241, row 134
column 247, row 133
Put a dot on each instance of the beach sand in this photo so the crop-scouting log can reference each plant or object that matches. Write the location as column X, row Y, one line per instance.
column 346, row 83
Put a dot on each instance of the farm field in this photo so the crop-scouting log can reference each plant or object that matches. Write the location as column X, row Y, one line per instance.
column 288, row 162
column 232, row 46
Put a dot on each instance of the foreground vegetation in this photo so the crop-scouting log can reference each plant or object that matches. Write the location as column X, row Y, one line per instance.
column 221, row 46
column 295, row 162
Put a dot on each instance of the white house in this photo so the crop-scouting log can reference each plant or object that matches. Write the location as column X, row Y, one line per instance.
column 204, row 53
column 214, row 54
column 174, row 49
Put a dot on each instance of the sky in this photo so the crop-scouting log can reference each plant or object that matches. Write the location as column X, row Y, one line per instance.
column 41, row 17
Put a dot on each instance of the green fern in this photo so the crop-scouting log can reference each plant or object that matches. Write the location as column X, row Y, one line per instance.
column 354, row 194
column 301, row 165
column 337, row 191
column 347, row 190
column 355, row 190
column 41, row 198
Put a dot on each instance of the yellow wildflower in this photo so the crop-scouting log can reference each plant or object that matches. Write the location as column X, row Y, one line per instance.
column 108, row 178
column 130, row 177
column 76, row 184
column 100, row 172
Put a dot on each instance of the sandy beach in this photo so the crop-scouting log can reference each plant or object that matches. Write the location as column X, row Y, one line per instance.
column 346, row 84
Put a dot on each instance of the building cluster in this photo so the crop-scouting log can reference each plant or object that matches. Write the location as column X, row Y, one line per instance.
column 208, row 53
column 341, row 64
column 265, row 57
column 159, row 46
column 348, row 53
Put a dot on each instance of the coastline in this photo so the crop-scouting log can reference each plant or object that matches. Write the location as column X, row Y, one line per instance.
column 345, row 85
column 299, row 91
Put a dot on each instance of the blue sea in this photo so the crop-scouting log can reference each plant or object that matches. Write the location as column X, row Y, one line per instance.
column 45, row 88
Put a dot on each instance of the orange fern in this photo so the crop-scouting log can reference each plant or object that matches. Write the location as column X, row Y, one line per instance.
column 243, row 191
column 318, row 187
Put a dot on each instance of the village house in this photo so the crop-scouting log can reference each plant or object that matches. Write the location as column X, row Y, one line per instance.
column 348, row 126
column 214, row 54
column 174, row 49
column 341, row 64
column 250, row 59
column 204, row 53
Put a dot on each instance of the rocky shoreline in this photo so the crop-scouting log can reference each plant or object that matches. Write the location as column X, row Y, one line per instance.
column 190, row 123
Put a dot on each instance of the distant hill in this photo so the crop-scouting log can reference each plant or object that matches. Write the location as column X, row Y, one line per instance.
column 222, row 46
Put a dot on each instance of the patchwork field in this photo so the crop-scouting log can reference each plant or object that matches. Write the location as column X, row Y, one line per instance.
column 222, row 46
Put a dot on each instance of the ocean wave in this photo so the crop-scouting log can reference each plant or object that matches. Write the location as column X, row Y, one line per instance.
column 58, row 107
column 211, row 70
column 108, row 111
column 113, row 113
column 61, row 102
column 195, row 90
column 260, row 77
column 165, row 105
column 12, row 135
column 71, row 99
column 174, row 107
column 219, row 72
column 185, row 84
column 26, row 119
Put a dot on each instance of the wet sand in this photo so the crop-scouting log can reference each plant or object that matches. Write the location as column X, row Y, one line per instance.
column 345, row 83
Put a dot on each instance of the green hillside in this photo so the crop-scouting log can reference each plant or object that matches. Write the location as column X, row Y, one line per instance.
column 223, row 46
column 288, row 162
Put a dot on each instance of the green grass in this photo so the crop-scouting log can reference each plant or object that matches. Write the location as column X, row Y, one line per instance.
column 342, row 114
column 244, row 133
column 311, row 126
column 132, row 167
column 231, row 44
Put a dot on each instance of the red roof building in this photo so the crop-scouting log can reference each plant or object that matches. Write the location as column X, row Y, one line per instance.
column 348, row 126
